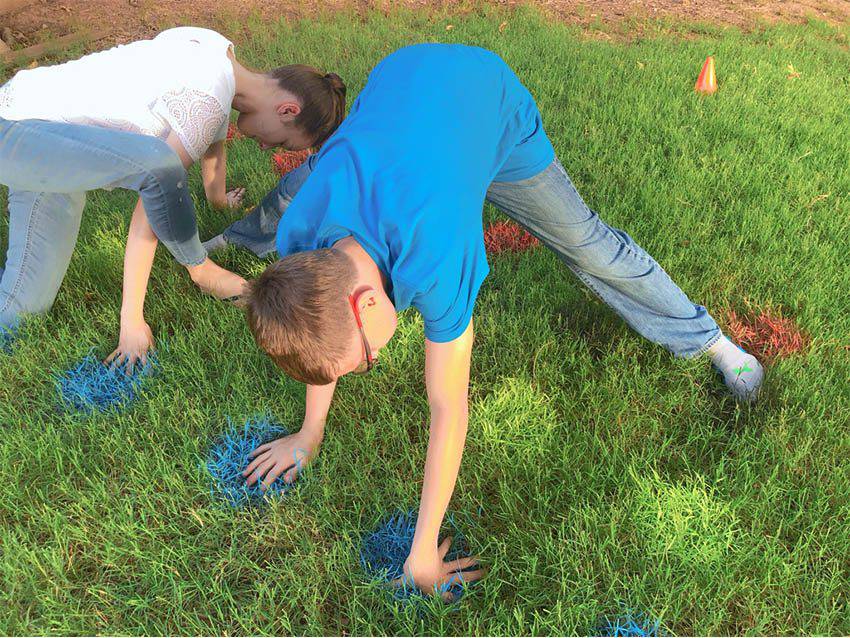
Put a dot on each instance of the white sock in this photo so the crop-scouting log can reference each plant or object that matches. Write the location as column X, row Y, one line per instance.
column 742, row 373
column 216, row 243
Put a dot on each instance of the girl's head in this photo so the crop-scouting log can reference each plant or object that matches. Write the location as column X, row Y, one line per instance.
column 293, row 106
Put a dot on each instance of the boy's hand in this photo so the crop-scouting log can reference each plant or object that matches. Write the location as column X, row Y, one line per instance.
column 134, row 342
column 433, row 573
column 285, row 456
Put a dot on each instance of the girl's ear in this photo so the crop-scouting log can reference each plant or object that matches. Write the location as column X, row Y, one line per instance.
column 288, row 110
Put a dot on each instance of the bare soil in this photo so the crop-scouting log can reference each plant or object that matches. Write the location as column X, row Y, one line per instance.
column 134, row 19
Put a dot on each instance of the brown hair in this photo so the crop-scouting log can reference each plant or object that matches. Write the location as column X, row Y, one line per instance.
column 298, row 312
column 322, row 98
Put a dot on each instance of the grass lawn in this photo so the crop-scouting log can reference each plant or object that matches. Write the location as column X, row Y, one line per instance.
column 600, row 473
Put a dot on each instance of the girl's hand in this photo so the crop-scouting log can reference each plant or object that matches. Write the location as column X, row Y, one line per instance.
column 286, row 456
column 434, row 575
column 134, row 342
column 234, row 197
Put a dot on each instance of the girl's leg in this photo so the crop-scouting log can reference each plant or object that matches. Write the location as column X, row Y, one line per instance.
column 43, row 230
column 38, row 156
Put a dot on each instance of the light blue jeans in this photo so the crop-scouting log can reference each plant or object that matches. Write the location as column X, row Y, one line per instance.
column 48, row 167
column 605, row 259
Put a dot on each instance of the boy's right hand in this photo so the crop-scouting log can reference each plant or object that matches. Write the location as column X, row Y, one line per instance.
column 285, row 456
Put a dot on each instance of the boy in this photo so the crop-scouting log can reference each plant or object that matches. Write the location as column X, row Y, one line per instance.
column 389, row 215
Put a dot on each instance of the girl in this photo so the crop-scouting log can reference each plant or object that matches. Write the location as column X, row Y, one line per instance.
column 138, row 116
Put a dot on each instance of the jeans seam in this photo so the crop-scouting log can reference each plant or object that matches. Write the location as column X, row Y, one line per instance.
column 578, row 272
column 27, row 249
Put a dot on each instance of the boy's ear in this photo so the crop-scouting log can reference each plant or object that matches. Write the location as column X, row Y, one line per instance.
column 367, row 301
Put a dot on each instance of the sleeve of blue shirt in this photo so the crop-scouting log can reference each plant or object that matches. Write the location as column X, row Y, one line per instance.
column 448, row 305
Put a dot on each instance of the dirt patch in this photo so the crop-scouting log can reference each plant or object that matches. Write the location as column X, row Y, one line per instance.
column 136, row 19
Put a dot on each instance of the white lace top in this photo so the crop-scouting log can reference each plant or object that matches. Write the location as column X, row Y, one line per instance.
column 180, row 81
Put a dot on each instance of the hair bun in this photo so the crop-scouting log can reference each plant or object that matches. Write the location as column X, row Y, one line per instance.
column 335, row 81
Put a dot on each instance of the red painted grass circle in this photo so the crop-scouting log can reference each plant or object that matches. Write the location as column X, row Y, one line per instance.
column 233, row 132
column 765, row 334
column 507, row 236
column 286, row 161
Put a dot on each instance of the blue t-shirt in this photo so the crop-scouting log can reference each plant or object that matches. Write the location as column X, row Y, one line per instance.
column 407, row 172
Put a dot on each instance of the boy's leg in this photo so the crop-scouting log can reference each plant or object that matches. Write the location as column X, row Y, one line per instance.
column 620, row 272
column 43, row 230
column 257, row 231
column 37, row 156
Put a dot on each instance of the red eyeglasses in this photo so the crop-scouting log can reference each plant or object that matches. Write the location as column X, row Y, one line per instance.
column 369, row 363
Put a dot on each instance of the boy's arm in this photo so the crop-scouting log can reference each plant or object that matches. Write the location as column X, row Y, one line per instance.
column 447, row 382
column 288, row 455
column 317, row 404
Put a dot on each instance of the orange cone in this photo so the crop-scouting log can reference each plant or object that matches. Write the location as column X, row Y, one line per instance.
column 707, row 80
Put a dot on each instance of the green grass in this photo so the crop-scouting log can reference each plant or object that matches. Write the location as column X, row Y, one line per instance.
column 599, row 471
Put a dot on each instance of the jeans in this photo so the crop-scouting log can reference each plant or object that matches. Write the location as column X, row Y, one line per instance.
column 257, row 231
column 48, row 167
column 605, row 259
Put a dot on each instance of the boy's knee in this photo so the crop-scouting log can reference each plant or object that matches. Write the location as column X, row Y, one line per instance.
column 609, row 256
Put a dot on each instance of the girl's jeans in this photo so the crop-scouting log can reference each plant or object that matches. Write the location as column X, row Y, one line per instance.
column 604, row 258
column 48, row 167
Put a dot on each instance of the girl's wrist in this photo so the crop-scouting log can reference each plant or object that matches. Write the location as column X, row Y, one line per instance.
column 218, row 199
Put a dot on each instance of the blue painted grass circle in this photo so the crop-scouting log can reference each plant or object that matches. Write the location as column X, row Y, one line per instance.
column 628, row 624
column 92, row 386
column 228, row 458
column 7, row 337
column 384, row 550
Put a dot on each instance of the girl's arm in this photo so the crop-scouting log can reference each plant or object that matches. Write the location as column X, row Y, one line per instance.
column 214, row 174
column 135, row 337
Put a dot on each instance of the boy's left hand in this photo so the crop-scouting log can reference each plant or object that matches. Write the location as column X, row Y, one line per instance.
column 432, row 574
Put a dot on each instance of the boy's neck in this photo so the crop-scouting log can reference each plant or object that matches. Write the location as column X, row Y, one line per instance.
column 368, row 272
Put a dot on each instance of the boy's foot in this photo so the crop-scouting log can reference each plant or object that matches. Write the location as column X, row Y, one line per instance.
column 216, row 243
column 217, row 281
column 741, row 371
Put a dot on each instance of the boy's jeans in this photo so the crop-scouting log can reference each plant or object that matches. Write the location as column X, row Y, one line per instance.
column 48, row 167
column 606, row 259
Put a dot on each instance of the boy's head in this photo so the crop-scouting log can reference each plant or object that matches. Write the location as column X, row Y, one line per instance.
column 300, row 312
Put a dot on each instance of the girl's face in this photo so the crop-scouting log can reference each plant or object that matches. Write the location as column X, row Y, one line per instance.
column 274, row 126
